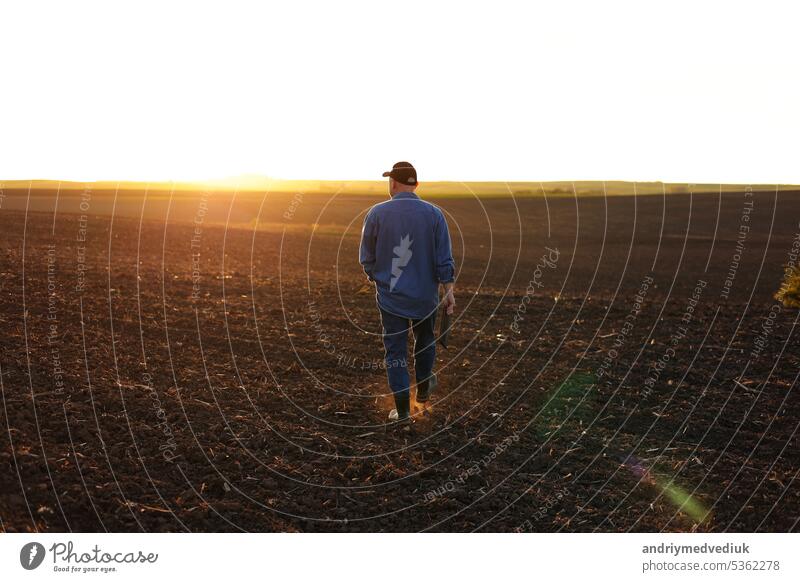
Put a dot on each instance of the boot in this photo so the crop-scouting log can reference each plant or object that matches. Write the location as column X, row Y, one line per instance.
column 403, row 411
column 425, row 388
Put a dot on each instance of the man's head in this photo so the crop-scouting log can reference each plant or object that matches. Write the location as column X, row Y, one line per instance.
column 402, row 178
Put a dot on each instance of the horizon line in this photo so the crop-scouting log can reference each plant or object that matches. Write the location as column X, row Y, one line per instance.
column 247, row 181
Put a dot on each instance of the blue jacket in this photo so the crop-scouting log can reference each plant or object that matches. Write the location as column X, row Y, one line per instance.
column 406, row 251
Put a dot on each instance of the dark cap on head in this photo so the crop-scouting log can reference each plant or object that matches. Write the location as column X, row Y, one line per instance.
column 403, row 172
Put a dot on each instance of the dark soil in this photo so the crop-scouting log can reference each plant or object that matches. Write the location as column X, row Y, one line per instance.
column 252, row 398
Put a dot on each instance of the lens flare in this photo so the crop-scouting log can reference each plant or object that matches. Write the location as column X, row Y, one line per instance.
column 679, row 497
column 570, row 401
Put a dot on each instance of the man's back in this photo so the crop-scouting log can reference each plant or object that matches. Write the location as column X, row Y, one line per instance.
column 405, row 249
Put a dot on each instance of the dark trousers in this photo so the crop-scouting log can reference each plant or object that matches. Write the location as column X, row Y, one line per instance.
column 395, row 342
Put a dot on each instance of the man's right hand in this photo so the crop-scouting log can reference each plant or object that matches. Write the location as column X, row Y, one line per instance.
column 449, row 300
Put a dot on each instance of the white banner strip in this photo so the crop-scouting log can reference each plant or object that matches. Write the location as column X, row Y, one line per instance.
column 400, row 557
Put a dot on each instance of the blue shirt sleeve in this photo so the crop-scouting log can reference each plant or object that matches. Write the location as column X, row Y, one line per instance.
column 445, row 265
column 369, row 235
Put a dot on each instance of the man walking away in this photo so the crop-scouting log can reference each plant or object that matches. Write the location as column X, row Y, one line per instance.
column 406, row 252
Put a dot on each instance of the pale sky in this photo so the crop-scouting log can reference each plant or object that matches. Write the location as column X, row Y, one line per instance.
column 688, row 92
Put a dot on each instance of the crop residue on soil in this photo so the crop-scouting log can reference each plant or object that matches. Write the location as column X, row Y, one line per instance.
column 615, row 364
